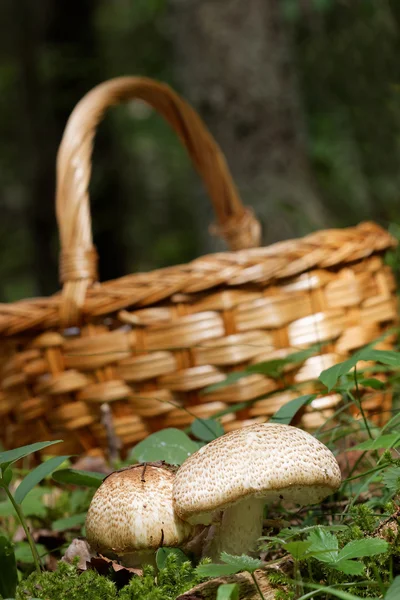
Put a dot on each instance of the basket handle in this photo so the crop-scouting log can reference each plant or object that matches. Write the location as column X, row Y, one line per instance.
column 78, row 258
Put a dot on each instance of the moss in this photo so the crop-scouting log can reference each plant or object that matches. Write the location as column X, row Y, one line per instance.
column 364, row 519
column 278, row 580
column 171, row 581
column 67, row 583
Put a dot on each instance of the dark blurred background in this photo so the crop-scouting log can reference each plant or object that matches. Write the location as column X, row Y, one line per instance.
column 302, row 95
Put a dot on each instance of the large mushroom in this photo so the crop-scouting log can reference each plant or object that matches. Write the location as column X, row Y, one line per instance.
column 229, row 481
column 131, row 515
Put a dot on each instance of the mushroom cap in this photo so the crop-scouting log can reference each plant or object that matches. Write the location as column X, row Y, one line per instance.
column 132, row 510
column 266, row 460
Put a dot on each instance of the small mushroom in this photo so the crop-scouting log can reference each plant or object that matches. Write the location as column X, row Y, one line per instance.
column 228, row 482
column 131, row 515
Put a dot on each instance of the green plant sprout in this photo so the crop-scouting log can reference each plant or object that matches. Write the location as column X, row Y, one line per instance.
column 27, row 484
column 232, row 565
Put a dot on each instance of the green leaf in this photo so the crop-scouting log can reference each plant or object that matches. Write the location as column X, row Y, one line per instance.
column 297, row 549
column 171, row 445
column 163, row 553
column 23, row 552
column 79, row 499
column 228, row 591
column 287, row 412
column 206, row 429
column 233, row 564
column 8, row 569
column 76, row 477
column 216, row 570
column 349, row 567
column 69, row 522
column 385, row 357
column 391, row 479
column 324, row 545
column 36, row 476
column 11, row 456
column 362, row 548
column 292, row 531
column 231, row 378
column 273, row 368
column 373, row 383
column 7, row 476
column 330, row 376
column 6, row 509
column 393, row 592
column 390, row 440
column 33, row 505
column 242, row 563
column 333, row 591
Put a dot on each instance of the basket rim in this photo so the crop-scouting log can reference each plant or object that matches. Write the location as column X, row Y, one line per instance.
column 256, row 267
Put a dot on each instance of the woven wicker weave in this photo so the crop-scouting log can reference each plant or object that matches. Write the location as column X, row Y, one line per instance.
column 149, row 343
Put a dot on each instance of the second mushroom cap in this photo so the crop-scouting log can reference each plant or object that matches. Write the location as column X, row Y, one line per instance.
column 132, row 511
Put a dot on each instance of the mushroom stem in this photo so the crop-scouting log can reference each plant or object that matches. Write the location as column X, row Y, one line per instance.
column 238, row 530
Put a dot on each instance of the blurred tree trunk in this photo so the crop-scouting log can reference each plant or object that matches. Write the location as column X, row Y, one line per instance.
column 250, row 100
column 35, row 144
column 55, row 44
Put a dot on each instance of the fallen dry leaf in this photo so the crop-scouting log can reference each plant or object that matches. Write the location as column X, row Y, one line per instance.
column 120, row 574
column 78, row 547
column 97, row 562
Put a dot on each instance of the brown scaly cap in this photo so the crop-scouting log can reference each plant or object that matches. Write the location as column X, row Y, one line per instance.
column 263, row 460
column 132, row 510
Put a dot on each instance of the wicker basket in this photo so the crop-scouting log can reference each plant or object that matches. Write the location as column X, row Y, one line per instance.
column 150, row 343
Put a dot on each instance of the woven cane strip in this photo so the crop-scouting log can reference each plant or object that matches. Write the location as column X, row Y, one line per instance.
column 59, row 382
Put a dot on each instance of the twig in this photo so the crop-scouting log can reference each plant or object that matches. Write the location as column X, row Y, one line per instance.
column 394, row 517
column 113, row 441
